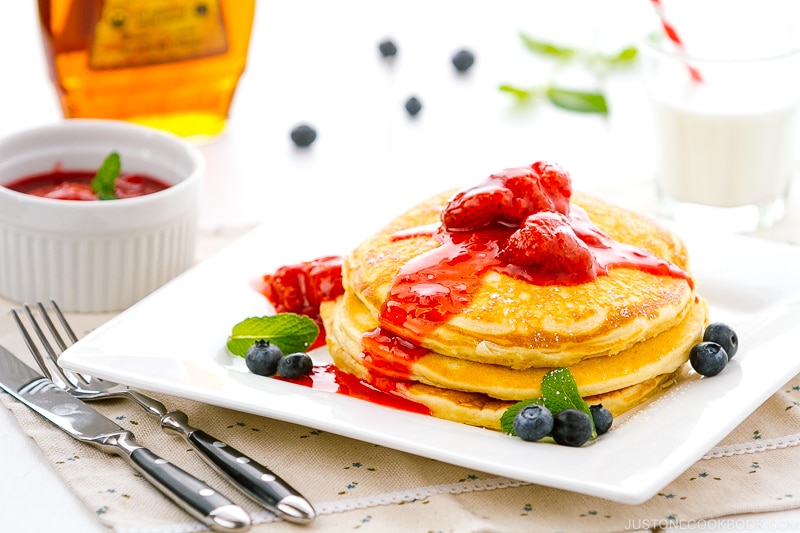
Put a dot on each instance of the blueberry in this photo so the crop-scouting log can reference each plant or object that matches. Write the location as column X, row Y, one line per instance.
column 708, row 358
column 463, row 60
column 533, row 422
column 723, row 335
column 262, row 358
column 295, row 365
column 572, row 427
column 413, row 106
column 387, row 48
column 303, row 135
column 602, row 418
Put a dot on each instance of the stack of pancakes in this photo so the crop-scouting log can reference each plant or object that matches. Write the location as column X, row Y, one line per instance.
column 624, row 335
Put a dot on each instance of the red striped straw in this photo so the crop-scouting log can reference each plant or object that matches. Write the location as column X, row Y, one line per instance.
column 669, row 29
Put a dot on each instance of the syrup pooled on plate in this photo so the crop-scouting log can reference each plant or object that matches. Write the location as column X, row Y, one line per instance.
column 328, row 378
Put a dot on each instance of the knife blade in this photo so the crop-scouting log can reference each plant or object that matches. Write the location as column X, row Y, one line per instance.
column 87, row 425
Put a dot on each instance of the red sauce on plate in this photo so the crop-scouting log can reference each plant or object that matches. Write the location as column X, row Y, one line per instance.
column 76, row 185
column 329, row 378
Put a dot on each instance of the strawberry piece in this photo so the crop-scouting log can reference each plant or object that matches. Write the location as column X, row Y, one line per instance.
column 288, row 290
column 547, row 242
column 326, row 278
column 556, row 183
column 66, row 191
column 301, row 288
column 477, row 208
column 508, row 197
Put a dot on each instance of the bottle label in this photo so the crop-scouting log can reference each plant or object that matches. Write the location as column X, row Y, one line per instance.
column 133, row 33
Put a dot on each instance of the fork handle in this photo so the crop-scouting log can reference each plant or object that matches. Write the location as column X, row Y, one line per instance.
column 192, row 495
column 247, row 474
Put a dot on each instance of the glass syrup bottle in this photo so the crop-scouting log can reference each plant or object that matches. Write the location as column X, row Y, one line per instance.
column 168, row 64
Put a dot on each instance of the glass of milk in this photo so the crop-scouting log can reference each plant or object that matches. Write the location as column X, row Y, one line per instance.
column 726, row 138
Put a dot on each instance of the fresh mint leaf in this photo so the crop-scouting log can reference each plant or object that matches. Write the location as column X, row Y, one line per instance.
column 103, row 181
column 571, row 100
column 288, row 331
column 547, row 49
column 559, row 392
column 583, row 102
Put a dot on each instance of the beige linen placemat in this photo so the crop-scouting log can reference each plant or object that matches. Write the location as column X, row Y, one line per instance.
column 365, row 487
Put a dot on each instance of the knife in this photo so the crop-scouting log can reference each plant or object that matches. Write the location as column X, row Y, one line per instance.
column 87, row 425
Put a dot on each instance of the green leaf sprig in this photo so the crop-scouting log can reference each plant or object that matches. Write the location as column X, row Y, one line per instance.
column 288, row 331
column 559, row 392
column 580, row 101
column 106, row 176
column 571, row 99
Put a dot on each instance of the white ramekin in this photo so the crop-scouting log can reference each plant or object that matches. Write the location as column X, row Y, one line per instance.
column 96, row 256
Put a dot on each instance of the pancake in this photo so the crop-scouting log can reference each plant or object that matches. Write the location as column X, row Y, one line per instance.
column 466, row 301
column 479, row 409
column 517, row 324
column 348, row 320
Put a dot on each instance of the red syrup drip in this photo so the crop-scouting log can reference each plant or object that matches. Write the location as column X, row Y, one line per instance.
column 440, row 283
column 389, row 355
column 329, row 378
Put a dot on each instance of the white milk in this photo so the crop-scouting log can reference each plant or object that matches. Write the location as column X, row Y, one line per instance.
column 725, row 145
column 724, row 159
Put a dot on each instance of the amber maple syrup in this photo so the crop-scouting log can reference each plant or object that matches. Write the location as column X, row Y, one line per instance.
column 168, row 64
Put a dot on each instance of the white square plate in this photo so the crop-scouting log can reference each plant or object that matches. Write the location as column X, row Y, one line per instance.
column 174, row 342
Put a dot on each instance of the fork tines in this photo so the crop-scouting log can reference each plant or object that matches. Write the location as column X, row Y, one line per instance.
column 47, row 369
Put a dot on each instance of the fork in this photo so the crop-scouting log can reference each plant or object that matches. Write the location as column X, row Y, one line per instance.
column 246, row 474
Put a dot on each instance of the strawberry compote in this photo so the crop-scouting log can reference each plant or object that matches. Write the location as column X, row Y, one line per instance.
column 302, row 287
column 518, row 222
column 76, row 185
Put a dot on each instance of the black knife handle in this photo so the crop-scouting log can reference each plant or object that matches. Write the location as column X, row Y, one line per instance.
column 194, row 496
column 253, row 478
